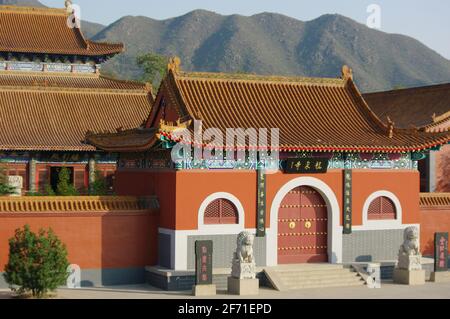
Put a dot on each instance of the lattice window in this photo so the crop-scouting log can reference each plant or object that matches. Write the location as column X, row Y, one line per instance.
column 221, row 211
column 382, row 208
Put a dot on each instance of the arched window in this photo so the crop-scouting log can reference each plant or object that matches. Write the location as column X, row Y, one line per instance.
column 382, row 208
column 221, row 211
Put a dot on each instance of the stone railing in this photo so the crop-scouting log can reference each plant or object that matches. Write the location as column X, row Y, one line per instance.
column 435, row 200
column 77, row 204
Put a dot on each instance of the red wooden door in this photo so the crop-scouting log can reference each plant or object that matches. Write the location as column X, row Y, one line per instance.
column 302, row 227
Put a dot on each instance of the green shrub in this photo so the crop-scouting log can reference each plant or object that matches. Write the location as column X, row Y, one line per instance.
column 5, row 189
column 37, row 262
column 99, row 187
column 65, row 187
column 48, row 190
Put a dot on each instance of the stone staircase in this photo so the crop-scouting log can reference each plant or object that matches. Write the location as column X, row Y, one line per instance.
column 293, row 277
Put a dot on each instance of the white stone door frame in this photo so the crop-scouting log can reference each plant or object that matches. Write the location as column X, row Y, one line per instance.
column 334, row 219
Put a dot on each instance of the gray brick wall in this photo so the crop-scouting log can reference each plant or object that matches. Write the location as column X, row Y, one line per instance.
column 164, row 250
column 180, row 283
column 105, row 277
column 224, row 247
column 372, row 245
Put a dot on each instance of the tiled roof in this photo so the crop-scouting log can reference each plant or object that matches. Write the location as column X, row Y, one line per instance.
column 414, row 106
column 45, row 31
column 434, row 199
column 136, row 140
column 56, row 115
column 88, row 81
column 312, row 114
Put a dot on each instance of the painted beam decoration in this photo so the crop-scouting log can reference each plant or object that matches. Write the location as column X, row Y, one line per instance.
column 203, row 262
column 348, row 181
column 306, row 166
column 261, row 198
column 441, row 252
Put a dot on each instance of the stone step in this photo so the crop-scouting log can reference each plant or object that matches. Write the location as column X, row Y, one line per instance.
column 323, row 280
column 289, row 281
column 327, row 285
column 291, row 277
column 307, row 267
column 314, row 273
column 440, row 277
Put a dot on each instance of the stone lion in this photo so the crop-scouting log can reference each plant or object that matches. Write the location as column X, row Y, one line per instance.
column 244, row 251
column 410, row 246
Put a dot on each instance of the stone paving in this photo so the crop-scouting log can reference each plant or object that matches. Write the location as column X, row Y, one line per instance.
column 388, row 291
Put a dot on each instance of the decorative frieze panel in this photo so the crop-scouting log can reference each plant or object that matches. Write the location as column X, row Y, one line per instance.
column 224, row 164
column 154, row 160
column 334, row 160
column 84, row 68
column 59, row 67
column 47, row 67
column 24, row 66
column 57, row 157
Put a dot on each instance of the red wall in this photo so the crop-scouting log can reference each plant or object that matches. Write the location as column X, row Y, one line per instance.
column 143, row 183
column 433, row 220
column 195, row 185
column 405, row 184
column 93, row 240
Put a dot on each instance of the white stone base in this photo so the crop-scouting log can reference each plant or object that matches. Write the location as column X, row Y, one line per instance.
column 409, row 277
column 204, row 290
column 440, row 277
column 243, row 287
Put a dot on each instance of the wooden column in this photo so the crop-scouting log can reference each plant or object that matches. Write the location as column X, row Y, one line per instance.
column 92, row 164
column 32, row 175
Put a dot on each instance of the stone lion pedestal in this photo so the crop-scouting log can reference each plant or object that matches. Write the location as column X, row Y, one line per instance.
column 409, row 268
column 243, row 280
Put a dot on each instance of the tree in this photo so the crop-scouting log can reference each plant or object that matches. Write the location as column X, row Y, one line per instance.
column 99, row 187
column 5, row 188
column 154, row 67
column 64, row 186
column 37, row 262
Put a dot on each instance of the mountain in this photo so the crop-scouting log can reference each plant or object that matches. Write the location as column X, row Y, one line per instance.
column 26, row 3
column 269, row 43
column 89, row 29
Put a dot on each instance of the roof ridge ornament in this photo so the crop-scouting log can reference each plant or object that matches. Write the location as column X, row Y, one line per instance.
column 174, row 64
column 68, row 4
column 347, row 73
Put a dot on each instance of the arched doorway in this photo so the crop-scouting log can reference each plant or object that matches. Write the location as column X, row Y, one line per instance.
column 303, row 227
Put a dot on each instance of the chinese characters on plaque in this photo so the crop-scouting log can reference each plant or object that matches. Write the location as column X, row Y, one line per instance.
column 348, row 179
column 306, row 166
column 441, row 252
column 261, row 198
column 203, row 262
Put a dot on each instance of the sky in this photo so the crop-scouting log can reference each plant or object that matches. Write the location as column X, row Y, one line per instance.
column 427, row 21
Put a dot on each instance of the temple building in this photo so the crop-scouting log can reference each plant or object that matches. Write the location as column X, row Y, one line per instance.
column 52, row 93
column 426, row 108
column 345, row 186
